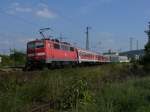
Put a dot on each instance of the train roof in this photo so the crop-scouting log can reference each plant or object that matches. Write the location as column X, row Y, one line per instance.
column 89, row 51
column 52, row 40
column 66, row 43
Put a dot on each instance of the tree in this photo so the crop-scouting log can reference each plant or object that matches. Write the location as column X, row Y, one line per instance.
column 18, row 57
column 146, row 58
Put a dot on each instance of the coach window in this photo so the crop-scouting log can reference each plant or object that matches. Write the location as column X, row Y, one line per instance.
column 64, row 47
column 67, row 48
column 56, row 46
column 80, row 53
column 71, row 49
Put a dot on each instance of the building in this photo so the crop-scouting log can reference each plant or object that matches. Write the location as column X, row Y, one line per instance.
column 115, row 57
column 134, row 54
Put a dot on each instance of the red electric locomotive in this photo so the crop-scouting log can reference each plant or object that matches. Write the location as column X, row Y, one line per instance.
column 50, row 52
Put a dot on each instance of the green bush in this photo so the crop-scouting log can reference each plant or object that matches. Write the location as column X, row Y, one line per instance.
column 107, row 88
column 16, row 58
column 126, row 97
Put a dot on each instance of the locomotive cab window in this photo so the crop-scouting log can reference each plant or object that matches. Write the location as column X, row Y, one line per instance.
column 31, row 45
column 35, row 45
column 39, row 45
column 56, row 46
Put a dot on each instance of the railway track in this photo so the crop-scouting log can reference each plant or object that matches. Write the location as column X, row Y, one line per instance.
column 47, row 107
column 8, row 69
column 11, row 68
column 42, row 108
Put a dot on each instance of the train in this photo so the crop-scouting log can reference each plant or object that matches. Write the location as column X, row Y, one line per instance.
column 53, row 53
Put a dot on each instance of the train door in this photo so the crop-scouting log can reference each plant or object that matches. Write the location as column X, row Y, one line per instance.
column 49, row 51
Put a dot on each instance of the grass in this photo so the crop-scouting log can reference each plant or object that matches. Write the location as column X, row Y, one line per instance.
column 107, row 88
column 126, row 97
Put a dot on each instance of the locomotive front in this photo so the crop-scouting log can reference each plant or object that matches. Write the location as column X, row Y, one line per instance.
column 36, row 52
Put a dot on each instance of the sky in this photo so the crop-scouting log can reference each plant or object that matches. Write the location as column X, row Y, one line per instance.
column 112, row 22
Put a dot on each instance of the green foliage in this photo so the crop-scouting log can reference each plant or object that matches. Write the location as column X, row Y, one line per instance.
column 126, row 97
column 14, row 59
column 108, row 88
column 146, row 59
column 18, row 57
column 76, row 94
column 6, row 60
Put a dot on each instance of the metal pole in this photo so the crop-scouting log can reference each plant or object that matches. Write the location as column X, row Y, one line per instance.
column 148, row 32
column 131, row 43
column 87, row 38
column 61, row 38
column 137, row 45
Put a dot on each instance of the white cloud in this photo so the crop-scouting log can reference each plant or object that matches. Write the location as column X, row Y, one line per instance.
column 23, row 9
column 42, row 5
column 105, row 1
column 90, row 5
column 41, row 10
column 17, row 7
column 15, row 4
column 12, row 12
column 46, row 13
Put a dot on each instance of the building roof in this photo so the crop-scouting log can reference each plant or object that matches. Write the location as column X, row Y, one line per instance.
column 132, row 53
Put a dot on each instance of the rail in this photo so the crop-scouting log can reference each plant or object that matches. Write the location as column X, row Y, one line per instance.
column 43, row 108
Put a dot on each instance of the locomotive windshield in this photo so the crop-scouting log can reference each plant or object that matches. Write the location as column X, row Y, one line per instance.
column 35, row 45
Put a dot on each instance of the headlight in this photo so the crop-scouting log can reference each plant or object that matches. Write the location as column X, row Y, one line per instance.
column 30, row 55
column 40, row 54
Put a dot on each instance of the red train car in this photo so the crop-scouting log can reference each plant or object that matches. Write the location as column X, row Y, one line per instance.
column 52, row 52
column 85, row 56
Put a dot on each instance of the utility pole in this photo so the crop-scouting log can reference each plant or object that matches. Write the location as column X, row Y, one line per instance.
column 61, row 38
column 87, row 38
column 137, row 45
column 148, row 32
column 131, row 43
